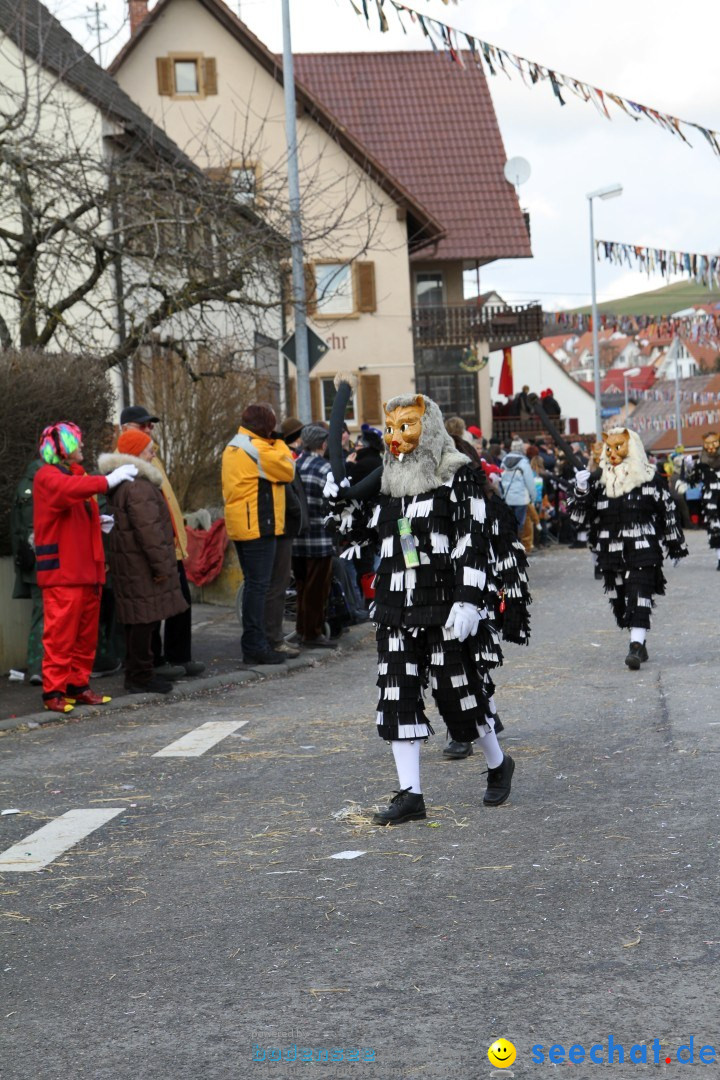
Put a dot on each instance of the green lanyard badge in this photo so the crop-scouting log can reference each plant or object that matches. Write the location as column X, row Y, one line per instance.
column 407, row 543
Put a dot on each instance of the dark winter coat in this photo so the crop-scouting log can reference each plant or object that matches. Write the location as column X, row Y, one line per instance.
column 21, row 529
column 141, row 546
column 367, row 460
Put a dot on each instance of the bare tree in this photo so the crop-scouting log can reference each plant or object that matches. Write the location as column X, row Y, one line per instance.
column 112, row 239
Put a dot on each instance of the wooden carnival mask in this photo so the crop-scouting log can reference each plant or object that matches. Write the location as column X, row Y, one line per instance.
column 711, row 442
column 403, row 427
column 596, row 451
column 617, row 445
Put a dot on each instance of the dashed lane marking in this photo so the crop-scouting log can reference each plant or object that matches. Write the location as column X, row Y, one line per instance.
column 44, row 846
column 199, row 740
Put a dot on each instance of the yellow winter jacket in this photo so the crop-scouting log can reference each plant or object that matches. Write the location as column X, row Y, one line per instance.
column 254, row 474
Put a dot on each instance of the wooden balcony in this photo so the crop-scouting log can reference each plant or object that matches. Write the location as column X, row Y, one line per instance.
column 464, row 324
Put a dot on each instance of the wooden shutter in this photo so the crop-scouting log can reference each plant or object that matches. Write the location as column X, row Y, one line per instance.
column 209, row 76
column 165, row 80
column 291, row 397
column 371, row 408
column 310, row 289
column 316, row 399
column 365, row 286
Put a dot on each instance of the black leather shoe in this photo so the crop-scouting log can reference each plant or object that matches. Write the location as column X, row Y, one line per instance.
column 637, row 654
column 155, row 685
column 404, row 806
column 455, row 750
column 269, row 657
column 644, row 653
column 498, row 782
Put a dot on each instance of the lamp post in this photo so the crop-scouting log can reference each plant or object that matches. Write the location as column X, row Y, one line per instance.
column 674, row 355
column 302, row 362
column 629, row 374
column 602, row 193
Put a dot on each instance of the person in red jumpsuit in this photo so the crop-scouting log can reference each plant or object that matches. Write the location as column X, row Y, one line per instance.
column 70, row 564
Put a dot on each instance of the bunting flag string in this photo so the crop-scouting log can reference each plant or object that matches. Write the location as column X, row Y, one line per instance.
column 703, row 327
column 705, row 269
column 445, row 38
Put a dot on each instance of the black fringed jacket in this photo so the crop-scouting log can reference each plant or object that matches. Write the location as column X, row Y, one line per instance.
column 631, row 531
column 468, row 551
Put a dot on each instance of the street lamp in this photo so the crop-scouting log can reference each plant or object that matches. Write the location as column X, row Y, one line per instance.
column 609, row 192
column 629, row 374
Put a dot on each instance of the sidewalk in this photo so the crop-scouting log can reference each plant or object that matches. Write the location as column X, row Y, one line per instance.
column 216, row 642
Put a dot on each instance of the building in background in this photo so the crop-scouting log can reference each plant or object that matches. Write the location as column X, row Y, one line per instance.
column 402, row 184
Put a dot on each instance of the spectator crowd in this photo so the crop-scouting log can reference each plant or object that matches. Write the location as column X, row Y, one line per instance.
column 102, row 557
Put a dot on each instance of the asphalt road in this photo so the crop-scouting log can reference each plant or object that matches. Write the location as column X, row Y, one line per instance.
column 208, row 917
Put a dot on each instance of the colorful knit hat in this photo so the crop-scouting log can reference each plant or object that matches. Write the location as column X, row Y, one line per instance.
column 59, row 441
column 133, row 442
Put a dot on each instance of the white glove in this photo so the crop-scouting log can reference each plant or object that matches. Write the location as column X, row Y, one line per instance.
column 107, row 522
column 463, row 620
column 332, row 489
column 123, row 472
column 582, row 479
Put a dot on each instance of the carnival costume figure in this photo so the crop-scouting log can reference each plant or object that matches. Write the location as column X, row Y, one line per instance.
column 446, row 568
column 632, row 526
column 707, row 473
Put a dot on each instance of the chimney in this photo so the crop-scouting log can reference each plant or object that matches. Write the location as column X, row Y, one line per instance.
column 138, row 12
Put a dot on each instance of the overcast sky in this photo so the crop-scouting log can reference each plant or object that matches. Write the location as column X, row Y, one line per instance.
column 661, row 54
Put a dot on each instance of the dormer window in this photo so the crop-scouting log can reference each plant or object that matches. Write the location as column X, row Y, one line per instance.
column 245, row 184
column 186, row 75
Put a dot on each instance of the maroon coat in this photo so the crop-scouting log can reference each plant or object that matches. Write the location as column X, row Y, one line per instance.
column 141, row 546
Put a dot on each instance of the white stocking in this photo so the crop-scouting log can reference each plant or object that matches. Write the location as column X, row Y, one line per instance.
column 491, row 749
column 407, row 762
column 638, row 634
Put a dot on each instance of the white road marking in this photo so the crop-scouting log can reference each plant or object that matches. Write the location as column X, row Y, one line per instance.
column 44, row 846
column 201, row 739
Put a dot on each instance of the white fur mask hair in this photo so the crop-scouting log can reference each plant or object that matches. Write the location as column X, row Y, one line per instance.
column 630, row 473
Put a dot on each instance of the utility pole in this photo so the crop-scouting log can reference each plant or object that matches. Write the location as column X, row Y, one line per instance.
column 96, row 25
column 302, row 364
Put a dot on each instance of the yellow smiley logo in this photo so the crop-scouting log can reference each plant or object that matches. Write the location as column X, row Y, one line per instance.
column 502, row 1053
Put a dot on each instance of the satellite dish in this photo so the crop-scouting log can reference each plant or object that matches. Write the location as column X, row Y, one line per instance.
column 517, row 171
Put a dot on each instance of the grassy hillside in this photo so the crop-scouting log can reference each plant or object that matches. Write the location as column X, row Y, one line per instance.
column 658, row 302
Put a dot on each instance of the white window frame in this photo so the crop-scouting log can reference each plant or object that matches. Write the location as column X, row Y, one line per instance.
column 326, row 408
column 338, row 299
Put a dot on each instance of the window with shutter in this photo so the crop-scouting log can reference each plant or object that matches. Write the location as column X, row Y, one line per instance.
column 166, row 84
column 310, row 289
column 371, row 408
column 316, row 399
column 209, row 79
column 365, row 300
column 291, row 397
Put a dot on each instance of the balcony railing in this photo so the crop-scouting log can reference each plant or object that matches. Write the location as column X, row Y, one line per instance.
column 464, row 324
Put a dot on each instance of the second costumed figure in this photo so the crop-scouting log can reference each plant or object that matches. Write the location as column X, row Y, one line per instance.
column 447, row 568
column 631, row 521
column 707, row 473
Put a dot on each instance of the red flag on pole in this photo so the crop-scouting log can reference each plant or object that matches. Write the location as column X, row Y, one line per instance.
column 505, row 386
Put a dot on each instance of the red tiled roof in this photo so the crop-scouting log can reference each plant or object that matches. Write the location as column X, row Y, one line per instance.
column 434, row 127
column 705, row 355
column 642, row 381
column 552, row 344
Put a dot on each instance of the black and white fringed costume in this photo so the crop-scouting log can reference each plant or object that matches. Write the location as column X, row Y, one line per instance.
column 632, row 525
column 707, row 473
column 466, row 555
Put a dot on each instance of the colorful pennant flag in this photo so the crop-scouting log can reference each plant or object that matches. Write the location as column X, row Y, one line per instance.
column 445, row 38
column 705, row 269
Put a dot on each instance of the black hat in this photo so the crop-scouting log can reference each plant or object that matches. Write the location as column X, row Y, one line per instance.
column 137, row 414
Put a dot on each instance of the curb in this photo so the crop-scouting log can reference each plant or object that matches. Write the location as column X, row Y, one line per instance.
column 308, row 658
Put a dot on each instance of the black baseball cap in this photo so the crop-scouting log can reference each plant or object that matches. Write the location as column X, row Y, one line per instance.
column 137, row 414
